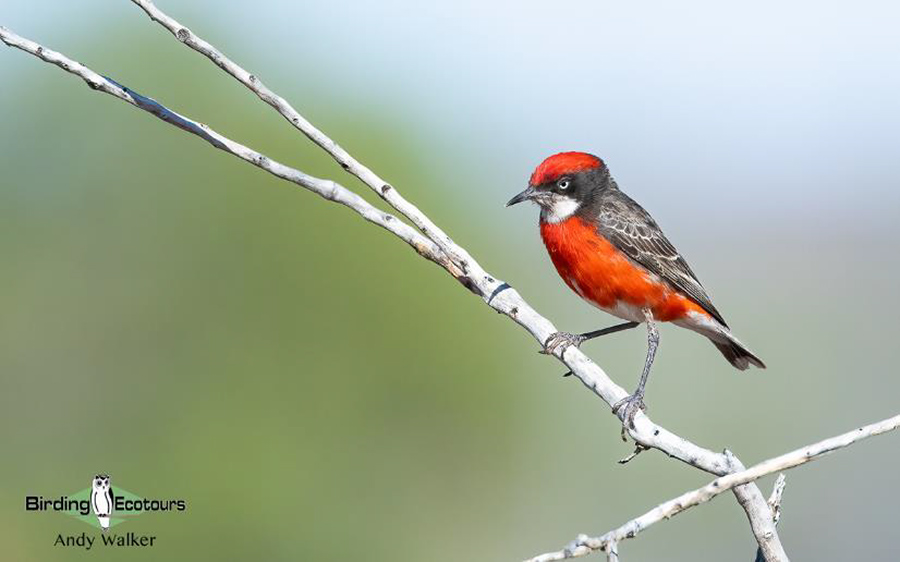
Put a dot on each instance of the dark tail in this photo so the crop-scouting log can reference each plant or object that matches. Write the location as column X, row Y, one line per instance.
column 737, row 354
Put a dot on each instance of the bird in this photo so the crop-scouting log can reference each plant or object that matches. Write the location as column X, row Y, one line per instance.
column 612, row 253
column 102, row 500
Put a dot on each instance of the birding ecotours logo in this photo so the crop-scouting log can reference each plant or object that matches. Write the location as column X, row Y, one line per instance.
column 102, row 500
column 103, row 507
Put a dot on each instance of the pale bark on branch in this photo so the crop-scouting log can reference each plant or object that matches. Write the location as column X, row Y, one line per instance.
column 584, row 544
column 775, row 506
column 382, row 188
column 326, row 188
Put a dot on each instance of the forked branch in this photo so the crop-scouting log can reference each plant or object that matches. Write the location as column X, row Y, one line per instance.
column 584, row 544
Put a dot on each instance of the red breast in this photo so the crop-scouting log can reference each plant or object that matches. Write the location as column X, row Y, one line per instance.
column 601, row 274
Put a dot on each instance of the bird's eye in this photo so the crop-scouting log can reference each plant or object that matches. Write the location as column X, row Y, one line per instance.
column 563, row 183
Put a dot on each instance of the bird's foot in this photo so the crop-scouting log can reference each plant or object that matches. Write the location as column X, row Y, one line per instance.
column 628, row 407
column 561, row 340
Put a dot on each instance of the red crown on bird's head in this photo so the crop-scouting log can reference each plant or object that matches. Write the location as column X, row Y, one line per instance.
column 563, row 163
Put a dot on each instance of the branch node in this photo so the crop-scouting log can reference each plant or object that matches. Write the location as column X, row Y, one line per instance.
column 612, row 551
column 775, row 498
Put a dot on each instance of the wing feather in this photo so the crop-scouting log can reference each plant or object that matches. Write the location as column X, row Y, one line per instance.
column 633, row 231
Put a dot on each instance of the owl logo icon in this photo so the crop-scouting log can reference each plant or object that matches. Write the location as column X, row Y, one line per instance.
column 102, row 499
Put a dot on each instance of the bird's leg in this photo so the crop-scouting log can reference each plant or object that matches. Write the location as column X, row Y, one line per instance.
column 566, row 339
column 611, row 330
column 628, row 407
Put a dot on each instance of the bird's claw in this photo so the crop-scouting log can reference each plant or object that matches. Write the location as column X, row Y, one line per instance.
column 628, row 407
column 561, row 339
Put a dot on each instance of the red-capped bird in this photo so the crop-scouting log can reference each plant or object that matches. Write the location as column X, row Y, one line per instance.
column 611, row 252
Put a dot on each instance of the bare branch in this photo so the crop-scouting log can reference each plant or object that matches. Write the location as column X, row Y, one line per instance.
column 775, row 498
column 775, row 505
column 325, row 188
column 442, row 250
column 584, row 545
column 382, row 188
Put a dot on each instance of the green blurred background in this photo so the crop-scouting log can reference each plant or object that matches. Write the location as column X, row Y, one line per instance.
column 199, row 329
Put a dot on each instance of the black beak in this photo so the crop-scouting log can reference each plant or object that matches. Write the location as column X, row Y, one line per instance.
column 526, row 195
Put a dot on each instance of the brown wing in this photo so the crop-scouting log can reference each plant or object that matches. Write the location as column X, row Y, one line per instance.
column 633, row 231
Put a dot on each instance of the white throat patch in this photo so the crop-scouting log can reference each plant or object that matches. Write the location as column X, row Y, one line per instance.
column 561, row 207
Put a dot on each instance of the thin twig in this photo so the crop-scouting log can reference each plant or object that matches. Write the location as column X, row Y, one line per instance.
column 638, row 449
column 325, row 188
column 612, row 551
column 775, row 505
column 381, row 187
column 584, row 545
column 775, row 498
